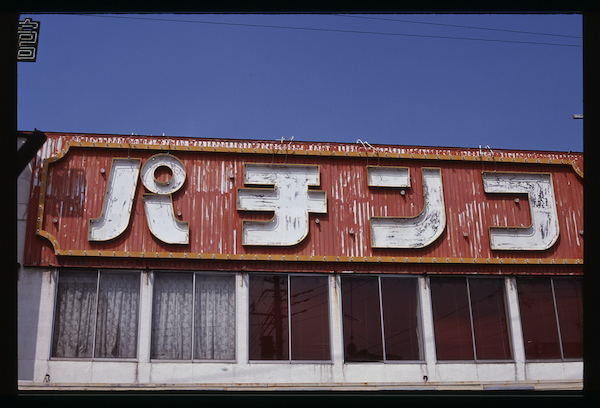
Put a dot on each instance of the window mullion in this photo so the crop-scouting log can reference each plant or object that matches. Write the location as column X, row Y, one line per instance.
column 289, row 316
column 420, row 318
column 471, row 318
column 96, row 313
column 381, row 319
column 562, row 355
column 193, row 314
column 56, row 279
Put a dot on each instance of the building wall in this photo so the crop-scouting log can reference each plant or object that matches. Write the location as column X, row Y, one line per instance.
column 28, row 307
column 37, row 288
column 36, row 369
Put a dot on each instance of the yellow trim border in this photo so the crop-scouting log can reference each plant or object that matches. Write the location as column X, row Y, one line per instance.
column 317, row 258
column 279, row 151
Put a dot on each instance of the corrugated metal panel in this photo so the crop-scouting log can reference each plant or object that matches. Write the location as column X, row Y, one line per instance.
column 75, row 185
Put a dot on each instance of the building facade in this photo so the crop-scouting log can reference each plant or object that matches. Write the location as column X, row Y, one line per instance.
column 184, row 263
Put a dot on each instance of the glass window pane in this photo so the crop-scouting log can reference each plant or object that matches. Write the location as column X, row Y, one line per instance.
column 569, row 302
column 489, row 319
column 309, row 308
column 117, row 322
column 362, row 319
column 400, row 318
column 268, row 337
column 215, row 317
column 172, row 316
column 538, row 319
column 451, row 319
column 75, row 314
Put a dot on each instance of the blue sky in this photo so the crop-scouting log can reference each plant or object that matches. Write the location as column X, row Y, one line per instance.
column 322, row 78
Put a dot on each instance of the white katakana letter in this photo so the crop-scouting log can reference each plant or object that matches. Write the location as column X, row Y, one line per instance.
column 159, row 205
column 290, row 200
column 116, row 210
column 544, row 229
column 409, row 232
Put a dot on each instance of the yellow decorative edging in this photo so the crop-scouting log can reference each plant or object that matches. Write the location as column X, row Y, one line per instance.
column 314, row 258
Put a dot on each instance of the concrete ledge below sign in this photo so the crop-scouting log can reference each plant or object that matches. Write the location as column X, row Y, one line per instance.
column 574, row 385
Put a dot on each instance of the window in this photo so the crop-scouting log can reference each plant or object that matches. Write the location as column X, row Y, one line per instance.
column 469, row 318
column 380, row 319
column 551, row 317
column 306, row 320
column 193, row 314
column 96, row 315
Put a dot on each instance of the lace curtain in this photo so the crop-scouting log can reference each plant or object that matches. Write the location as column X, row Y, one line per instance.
column 213, row 315
column 117, row 324
column 75, row 315
column 172, row 317
column 108, row 317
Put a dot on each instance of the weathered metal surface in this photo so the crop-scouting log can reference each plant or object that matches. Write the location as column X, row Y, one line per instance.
column 68, row 190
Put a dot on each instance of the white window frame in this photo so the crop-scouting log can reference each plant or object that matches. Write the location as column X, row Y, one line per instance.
column 418, row 308
column 560, row 343
column 506, row 313
column 194, row 360
column 98, row 271
column 289, row 360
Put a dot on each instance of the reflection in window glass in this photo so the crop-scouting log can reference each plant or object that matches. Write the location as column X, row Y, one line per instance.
column 309, row 308
column 569, row 304
column 538, row 319
column 307, row 319
column 543, row 301
column 369, row 301
column 469, row 318
column 362, row 319
column 400, row 319
column 268, row 317
column 451, row 320
column 489, row 319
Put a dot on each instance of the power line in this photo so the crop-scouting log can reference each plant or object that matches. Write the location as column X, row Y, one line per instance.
column 458, row 26
column 334, row 30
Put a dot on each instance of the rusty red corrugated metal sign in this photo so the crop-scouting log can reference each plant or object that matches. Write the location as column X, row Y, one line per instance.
column 133, row 201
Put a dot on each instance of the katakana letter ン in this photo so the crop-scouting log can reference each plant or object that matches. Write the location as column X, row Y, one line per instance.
column 409, row 232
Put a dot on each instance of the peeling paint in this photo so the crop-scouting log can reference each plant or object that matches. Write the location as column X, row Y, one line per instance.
column 544, row 229
column 290, row 200
column 118, row 201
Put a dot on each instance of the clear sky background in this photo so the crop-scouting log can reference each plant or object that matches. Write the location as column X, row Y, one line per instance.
column 423, row 81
